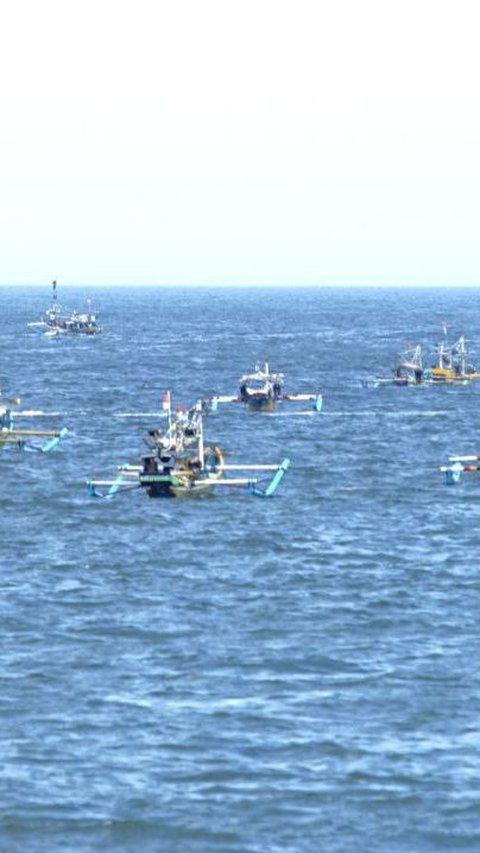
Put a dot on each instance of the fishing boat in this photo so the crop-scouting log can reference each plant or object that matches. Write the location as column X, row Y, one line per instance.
column 262, row 391
column 56, row 322
column 176, row 467
column 457, row 465
column 25, row 439
column 452, row 362
column 409, row 370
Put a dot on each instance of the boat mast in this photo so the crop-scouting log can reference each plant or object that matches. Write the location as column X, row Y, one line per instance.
column 167, row 407
column 441, row 353
column 54, row 308
column 417, row 357
column 201, row 454
column 461, row 351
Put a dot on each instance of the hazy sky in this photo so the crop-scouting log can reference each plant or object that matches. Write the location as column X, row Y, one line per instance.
column 253, row 142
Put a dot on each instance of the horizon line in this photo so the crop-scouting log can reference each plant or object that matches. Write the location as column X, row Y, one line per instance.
column 216, row 285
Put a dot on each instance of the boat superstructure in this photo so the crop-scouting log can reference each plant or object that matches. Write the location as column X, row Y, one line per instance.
column 182, row 430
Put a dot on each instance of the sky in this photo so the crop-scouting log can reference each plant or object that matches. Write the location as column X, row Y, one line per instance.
column 259, row 142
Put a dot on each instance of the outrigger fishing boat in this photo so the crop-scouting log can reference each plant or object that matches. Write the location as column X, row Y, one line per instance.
column 180, row 465
column 58, row 323
column 261, row 391
column 457, row 465
column 24, row 439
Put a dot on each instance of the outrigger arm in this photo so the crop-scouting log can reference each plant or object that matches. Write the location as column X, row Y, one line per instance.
column 274, row 482
column 212, row 403
column 123, row 484
column 114, row 486
column 300, row 398
column 20, row 438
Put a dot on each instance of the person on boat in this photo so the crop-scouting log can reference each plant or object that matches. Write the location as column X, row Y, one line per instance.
column 5, row 419
column 168, row 462
column 181, row 414
column 277, row 390
column 194, row 464
column 150, row 465
column 193, row 421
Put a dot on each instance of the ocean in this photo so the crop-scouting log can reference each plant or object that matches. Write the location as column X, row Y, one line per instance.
column 229, row 673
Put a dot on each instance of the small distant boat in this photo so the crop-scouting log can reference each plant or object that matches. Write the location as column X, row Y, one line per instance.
column 58, row 323
column 179, row 464
column 450, row 368
column 457, row 465
column 407, row 370
column 24, row 439
column 452, row 362
column 261, row 391
column 409, row 367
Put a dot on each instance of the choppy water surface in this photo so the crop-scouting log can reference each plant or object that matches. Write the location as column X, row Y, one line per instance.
column 229, row 673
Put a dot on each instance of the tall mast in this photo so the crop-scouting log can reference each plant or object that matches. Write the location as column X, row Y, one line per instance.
column 54, row 298
column 462, row 351
column 201, row 455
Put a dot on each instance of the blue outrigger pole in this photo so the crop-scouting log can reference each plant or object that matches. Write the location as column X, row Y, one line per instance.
column 274, row 482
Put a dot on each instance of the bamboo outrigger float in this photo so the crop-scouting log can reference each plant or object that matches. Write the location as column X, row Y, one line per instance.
column 25, row 439
column 180, row 465
column 262, row 391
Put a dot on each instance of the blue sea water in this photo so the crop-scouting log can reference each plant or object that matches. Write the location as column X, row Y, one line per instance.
column 228, row 673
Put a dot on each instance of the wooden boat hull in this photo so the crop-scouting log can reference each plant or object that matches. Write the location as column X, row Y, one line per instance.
column 171, row 486
column 260, row 403
column 442, row 374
